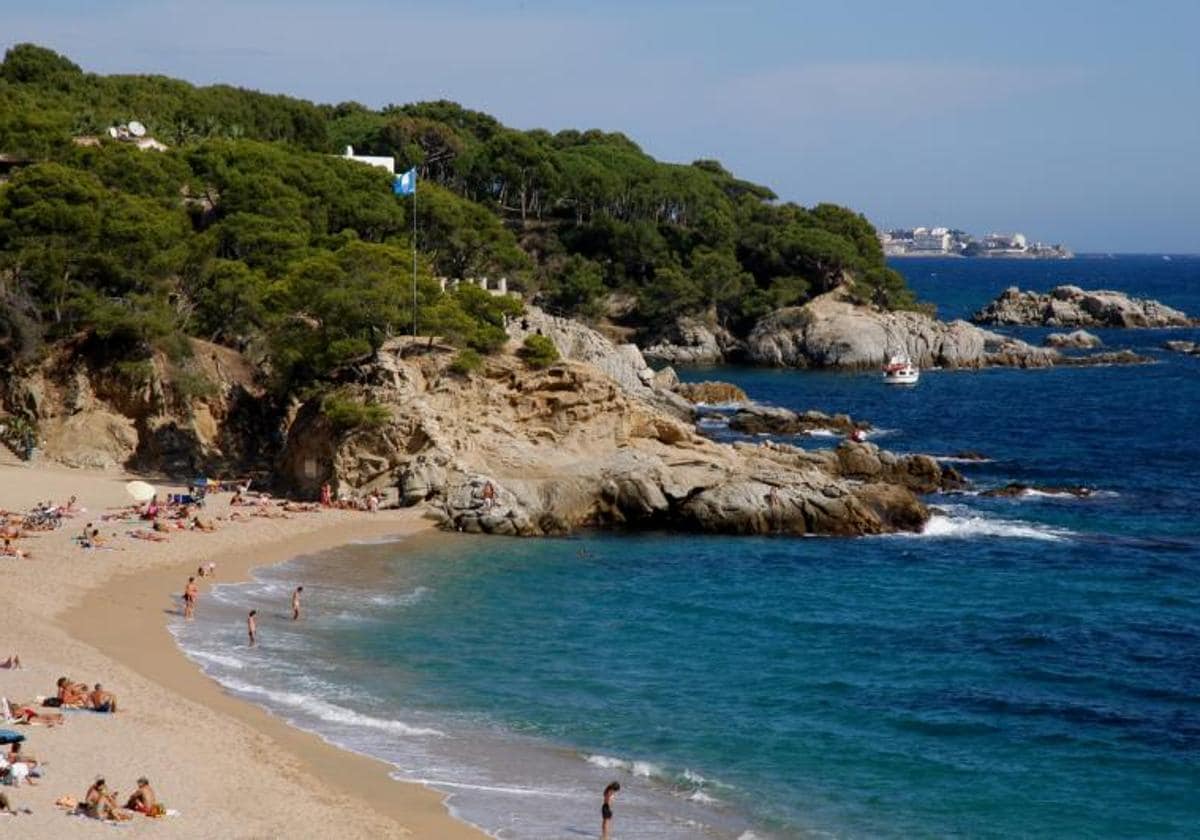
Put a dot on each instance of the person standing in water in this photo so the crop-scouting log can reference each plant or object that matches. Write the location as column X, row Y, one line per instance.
column 606, row 813
column 296, row 603
column 189, row 598
column 252, row 627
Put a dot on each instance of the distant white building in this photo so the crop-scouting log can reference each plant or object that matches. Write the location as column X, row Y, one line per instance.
column 388, row 163
column 930, row 240
column 1007, row 242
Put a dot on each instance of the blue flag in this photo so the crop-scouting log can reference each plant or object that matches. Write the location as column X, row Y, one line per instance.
column 406, row 184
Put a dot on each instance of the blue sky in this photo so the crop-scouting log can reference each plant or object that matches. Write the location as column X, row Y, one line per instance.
column 1071, row 121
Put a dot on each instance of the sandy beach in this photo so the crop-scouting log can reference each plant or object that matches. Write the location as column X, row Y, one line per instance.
column 229, row 768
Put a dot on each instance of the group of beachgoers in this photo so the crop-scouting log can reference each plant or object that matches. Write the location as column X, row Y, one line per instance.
column 20, row 767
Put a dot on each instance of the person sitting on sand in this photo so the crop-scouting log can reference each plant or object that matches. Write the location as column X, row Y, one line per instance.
column 199, row 524
column 99, row 804
column 71, row 693
column 69, row 509
column 143, row 800
column 102, row 701
column 16, row 756
column 13, row 662
column 10, row 550
column 151, row 511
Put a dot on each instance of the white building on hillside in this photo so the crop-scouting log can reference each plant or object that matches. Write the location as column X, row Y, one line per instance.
column 930, row 240
column 388, row 163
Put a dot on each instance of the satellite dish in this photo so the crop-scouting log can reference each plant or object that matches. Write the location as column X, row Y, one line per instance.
column 112, row 132
column 137, row 129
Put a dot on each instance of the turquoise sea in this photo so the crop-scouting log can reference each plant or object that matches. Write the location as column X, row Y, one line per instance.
column 1027, row 667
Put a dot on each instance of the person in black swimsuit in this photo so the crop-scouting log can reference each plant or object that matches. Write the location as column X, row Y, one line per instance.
column 606, row 814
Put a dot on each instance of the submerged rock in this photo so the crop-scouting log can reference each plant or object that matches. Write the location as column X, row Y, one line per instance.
column 1018, row 489
column 1079, row 339
column 757, row 419
column 1191, row 348
column 711, row 393
column 1071, row 306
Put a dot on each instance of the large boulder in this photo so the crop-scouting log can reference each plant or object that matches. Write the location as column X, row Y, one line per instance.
column 695, row 341
column 832, row 331
column 1071, row 306
column 623, row 363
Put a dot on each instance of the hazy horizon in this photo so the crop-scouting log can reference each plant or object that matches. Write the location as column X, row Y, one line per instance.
column 1076, row 124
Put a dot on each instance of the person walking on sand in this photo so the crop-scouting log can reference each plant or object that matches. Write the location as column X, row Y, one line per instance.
column 189, row 598
column 606, row 812
column 296, row 603
column 252, row 627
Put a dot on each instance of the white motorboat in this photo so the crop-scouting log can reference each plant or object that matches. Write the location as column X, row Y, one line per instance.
column 901, row 371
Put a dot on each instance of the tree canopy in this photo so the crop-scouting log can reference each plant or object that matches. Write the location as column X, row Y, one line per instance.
column 251, row 230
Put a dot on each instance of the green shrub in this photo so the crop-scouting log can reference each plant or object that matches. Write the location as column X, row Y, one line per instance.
column 539, row 351
column 189, row 385
column 347, row 413
column 135, row 371
column 466, row 362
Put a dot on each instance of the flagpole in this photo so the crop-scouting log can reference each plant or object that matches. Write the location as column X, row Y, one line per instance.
column 414, row 252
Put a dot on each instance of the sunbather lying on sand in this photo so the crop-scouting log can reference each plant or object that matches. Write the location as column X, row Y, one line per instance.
column 102, row 701
column 13, row 662
column 27, row 714
column 143, row 534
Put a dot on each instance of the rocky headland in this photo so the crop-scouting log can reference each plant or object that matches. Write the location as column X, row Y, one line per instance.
column 1071, row 306
column 515, row 451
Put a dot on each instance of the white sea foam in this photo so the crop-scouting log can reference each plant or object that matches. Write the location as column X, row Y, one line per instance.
column 971, row 526
column 823, row 433
column 956, row 459
column 402, row 599
column 217, row 659
column 644, row 769
column 876, row 433
column 328, row 711
column 516, row 791
column 702, row 797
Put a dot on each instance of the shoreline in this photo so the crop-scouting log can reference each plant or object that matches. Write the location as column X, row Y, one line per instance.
column 145, row 643
column 231, row 768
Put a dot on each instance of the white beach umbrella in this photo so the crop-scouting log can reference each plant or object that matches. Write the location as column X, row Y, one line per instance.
column 141, row 491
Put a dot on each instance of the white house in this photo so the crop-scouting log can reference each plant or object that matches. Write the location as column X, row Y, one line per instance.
column 388, row 163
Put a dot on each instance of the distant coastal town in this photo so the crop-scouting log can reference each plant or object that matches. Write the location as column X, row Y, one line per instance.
column 950, row 242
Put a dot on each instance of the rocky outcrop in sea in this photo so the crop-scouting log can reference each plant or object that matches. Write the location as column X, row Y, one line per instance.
column 509, row 450
column 1071, row 306
column 832, row 331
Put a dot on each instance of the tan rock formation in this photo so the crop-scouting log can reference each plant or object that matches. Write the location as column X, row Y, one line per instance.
column 569, row 447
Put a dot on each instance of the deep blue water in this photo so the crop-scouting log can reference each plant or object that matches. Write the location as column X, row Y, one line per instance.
column 1029, row 667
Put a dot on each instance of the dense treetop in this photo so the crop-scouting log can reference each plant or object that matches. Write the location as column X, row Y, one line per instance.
column 251, row 232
